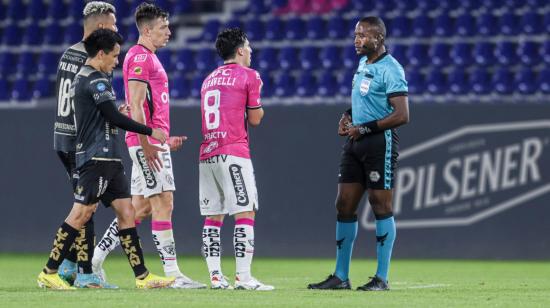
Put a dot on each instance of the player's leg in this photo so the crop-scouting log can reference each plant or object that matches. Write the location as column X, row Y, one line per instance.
column 211, row 247
column 350, row 191
column 211, row 199
column 68, row 268
column 242, row 202
column 379, row 182
column 110, row 239
column 65, row 237
column 119, row 192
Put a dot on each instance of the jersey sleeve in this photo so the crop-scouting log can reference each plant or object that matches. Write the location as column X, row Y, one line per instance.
column 396, row 84
column 254, row 88
column 139, row 67
column 101, row 90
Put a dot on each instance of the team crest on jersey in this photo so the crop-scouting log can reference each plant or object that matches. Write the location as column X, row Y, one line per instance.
column 138, row 70
column 140, row 58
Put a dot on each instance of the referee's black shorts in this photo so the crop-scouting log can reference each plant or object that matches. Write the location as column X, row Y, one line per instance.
column 101, row 180
column 371, row 160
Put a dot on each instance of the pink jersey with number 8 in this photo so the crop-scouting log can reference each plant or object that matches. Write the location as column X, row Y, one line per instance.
column 226, row 94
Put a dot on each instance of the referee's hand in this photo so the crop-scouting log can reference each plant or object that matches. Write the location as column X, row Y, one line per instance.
column 344, row 124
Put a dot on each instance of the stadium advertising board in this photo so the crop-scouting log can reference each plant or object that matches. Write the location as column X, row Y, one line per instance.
column 470, row 174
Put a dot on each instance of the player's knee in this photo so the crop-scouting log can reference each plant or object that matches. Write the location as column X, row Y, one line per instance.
column 380, row 207
column 344, row 208
column 126, row 216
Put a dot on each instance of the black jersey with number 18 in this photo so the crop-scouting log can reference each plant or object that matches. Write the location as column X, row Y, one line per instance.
column 69, row 65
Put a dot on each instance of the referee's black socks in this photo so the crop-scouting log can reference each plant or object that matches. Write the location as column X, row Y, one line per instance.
column 129, row 240
column 64, row 238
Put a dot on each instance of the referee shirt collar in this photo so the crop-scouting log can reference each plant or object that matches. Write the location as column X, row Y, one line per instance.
column 380, row 57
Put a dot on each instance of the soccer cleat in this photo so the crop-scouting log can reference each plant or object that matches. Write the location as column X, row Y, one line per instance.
column 331, row 283
column 376, row 284
column 219, row 282
column 184, row 282
column 252, row 284
column 152, row 281
column 97, row 268
column 92, row 281
column 53, row 281
column 67, row 271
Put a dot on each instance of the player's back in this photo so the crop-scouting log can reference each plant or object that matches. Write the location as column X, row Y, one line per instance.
column 225, row 95
column 69, row 65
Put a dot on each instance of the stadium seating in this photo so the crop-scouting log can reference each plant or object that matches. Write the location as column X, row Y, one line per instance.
column 447, row 47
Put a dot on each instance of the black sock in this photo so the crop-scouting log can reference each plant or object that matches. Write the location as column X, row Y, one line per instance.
column 71, row 255
column 84, row 244
column 129, row 240
column 64, row 238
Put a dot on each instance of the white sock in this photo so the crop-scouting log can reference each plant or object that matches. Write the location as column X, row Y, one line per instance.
column 243, row 242
column 108, row 243
column 164, row 241
column 211, row 246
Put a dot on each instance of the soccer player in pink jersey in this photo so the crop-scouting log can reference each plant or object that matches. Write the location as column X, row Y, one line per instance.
column 146, row 85
column 230, row 98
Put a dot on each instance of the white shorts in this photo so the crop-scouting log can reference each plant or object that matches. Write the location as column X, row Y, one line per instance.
column 227, row 186
column 147, row 182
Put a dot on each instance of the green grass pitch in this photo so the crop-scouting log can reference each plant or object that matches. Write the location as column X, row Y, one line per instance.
column 414, row 283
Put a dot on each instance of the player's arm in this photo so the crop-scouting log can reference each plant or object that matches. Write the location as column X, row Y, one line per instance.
column 254, row 110
column 110, row 112
column 137, row 90
column 254, row 116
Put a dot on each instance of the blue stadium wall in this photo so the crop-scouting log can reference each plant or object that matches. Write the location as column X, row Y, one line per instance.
column 474, row 183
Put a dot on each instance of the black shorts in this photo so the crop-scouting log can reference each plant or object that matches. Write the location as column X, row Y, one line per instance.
column 101, row 180
column 371, row 160
column 68, row 159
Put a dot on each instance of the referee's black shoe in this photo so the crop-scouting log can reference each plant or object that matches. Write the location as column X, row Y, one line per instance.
column 376, row 284
column 331, row 283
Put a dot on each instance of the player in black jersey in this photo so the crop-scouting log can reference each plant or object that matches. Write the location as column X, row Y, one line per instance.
column 96, row 15
column 98, row 161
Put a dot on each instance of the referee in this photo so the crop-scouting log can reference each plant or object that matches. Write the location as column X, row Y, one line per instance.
column 379, row 104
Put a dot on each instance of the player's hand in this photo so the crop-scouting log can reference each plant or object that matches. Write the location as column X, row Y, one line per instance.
column 176, row 142
column 150, row 152
column 159, row 135
column 354, row 133
column 124, row 109
column 344, row 124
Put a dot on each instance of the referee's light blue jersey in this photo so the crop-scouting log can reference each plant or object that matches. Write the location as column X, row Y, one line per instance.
column 373, row 85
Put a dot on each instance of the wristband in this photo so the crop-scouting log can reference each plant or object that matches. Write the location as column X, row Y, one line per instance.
column 369, row 128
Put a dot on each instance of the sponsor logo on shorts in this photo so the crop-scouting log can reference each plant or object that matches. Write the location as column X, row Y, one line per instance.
column 238, row 184
column 374, row 176
column 214, row 159
column 169, row 179
column 148, row 174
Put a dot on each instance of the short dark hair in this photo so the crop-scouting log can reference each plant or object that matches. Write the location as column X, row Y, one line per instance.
column 375, row 21
column 101, row 39
column 228, row 41
column 97, row 8
column 147, row 12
